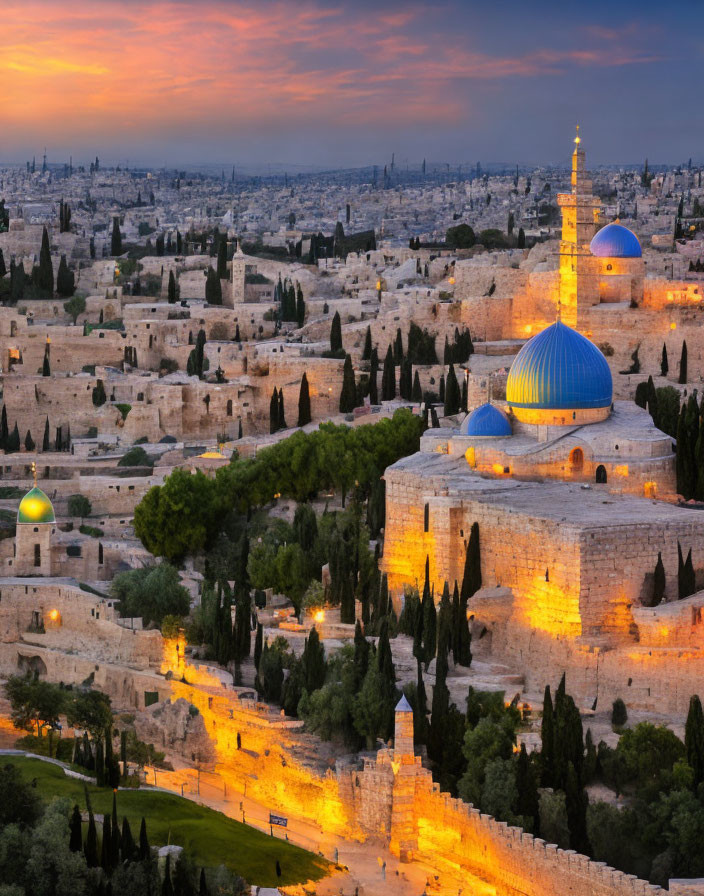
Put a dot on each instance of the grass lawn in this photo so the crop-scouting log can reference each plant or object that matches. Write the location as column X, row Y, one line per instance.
column 209, row 837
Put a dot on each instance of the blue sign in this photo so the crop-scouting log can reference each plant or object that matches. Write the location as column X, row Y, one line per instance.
column 278, row 819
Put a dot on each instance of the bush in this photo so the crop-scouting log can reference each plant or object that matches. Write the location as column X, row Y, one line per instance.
column 79, row 505
column 153, row 593
column 619, row 714
column 124, row 409
column 93, row 531
column 136, row 457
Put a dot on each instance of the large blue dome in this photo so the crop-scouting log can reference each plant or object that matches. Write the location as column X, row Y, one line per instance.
column 615, row 241
column 486, row 420
column 559, row 369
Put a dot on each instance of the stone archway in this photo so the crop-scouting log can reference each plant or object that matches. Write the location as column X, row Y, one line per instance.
column 601, row 475
column 576, row 461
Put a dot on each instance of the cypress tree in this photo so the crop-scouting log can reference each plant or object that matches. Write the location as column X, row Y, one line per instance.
column 274, row 411
column 447, row 353
column 385, row 665
column 166, row 886
column 45, row 277
column 13, row 442
column 521, row 241
column 258, row 644
column 362, row 651
column 689, row 580
column 46, row 367
column 336, row 334
column 106, row 846
column 441, row 695
column 367, row 351
column 694, row 740
column 348, row 394
column 547, row 739
column 373, row 376
column 388, row 377
column 664, row 366
column 300, row 306
column 76, row 841
column 526, row 785
column 144, row 848
column 4, row 434
column 116, row 238
column 472, row 578
column 416, row 392
column 3, row 269
column 172, row 288
column 420, row 716
column 406, row 379
column 463, row 402
column 347, row 599
column 683, row 364
column 304, row 415
column 46, row 444
column 127, row 847
column 429, row 629
column 398, row 347
column 222, row 258
column 314, row 663
column 441, row 389
column 65, row 282
column 213, row 288
column 29, row 442
column 114, row 834
column 658, row 582
column 682, row 466
column 281, row 416
column 91, row 846
column 576, row 803
column 452, row 393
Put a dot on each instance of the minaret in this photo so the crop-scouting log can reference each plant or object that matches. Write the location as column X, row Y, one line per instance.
column 36, row 524
column 403, row 730
column 579, row 287
column 239, row 263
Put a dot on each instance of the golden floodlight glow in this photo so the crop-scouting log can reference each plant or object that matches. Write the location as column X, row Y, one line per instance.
column 378, row 285
column 528, row 328
column 54, row 615
column 498, row 468
column 451, row 281
column 673, row 325
column 319, row 616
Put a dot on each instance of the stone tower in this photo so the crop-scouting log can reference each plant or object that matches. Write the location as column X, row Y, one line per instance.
column 579, row 282
column 403, row 730
column 36, row 524
column 238, row 275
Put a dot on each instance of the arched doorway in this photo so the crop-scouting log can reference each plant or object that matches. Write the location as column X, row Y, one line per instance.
column 576, row 460
column 601, row 474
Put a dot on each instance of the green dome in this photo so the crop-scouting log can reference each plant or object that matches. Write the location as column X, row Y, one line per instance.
column 35, row 507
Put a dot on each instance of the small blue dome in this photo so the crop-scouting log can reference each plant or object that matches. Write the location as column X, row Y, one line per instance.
column 486, row 420
column 615, row 241
column 559, row 369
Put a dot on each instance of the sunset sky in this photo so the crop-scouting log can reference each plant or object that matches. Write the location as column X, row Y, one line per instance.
column 344, row 83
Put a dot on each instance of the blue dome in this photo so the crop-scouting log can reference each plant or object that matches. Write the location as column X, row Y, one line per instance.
column 486, row 420
column 615, row 241
column 559, row 369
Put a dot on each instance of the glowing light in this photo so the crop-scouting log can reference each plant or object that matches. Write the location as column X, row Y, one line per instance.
column 378, row 285
column 497, row 468
column 528, row 328
column 54, row 615
column 451, row 281
column 319, row 616
column 673, row 325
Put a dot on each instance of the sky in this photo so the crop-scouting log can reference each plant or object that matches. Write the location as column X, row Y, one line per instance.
column 337, row 84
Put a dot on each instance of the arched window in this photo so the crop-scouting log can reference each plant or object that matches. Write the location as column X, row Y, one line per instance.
column 37, row 555
column 577, row 460
column 609, row 267
column 601, row 474
column 100, row 553
column 229, row 407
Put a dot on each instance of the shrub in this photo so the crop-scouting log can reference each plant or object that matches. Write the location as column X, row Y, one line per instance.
column 136, row 457
column 79, row 505
column 619, row 714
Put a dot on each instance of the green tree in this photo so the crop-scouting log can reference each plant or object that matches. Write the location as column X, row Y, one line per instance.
column 683, row 364
column 213, row 288
column 274, row 411
column 151, row 592
column 304, row 413
column 664, row 365
column 460, row 236
column 222, row 258
column 300, row 306
column 336, row 334
column 367, row 350
column 314, row 664
column 45, row 276
column 116, row 238
column 488, row 740
column 694, row 739
column 75, row 306
column 90, row 711
column 521, row 241
column 388, row 378
column 34, row 704
column 65, row 281
column 452, row 394
column 172, row 292
column 79, row 505
column 472, row 577
column 46, row 367
column 348, row 394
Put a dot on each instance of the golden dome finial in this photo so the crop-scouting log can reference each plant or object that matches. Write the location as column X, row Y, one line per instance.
column 577, row 139
column 34, row 473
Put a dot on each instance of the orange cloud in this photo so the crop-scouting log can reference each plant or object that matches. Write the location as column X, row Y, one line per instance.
column 130, row 67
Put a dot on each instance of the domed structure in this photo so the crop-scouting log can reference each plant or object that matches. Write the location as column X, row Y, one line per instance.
column 487, row 421
column 35, row 507
column 615, row 241
column 559, row 378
